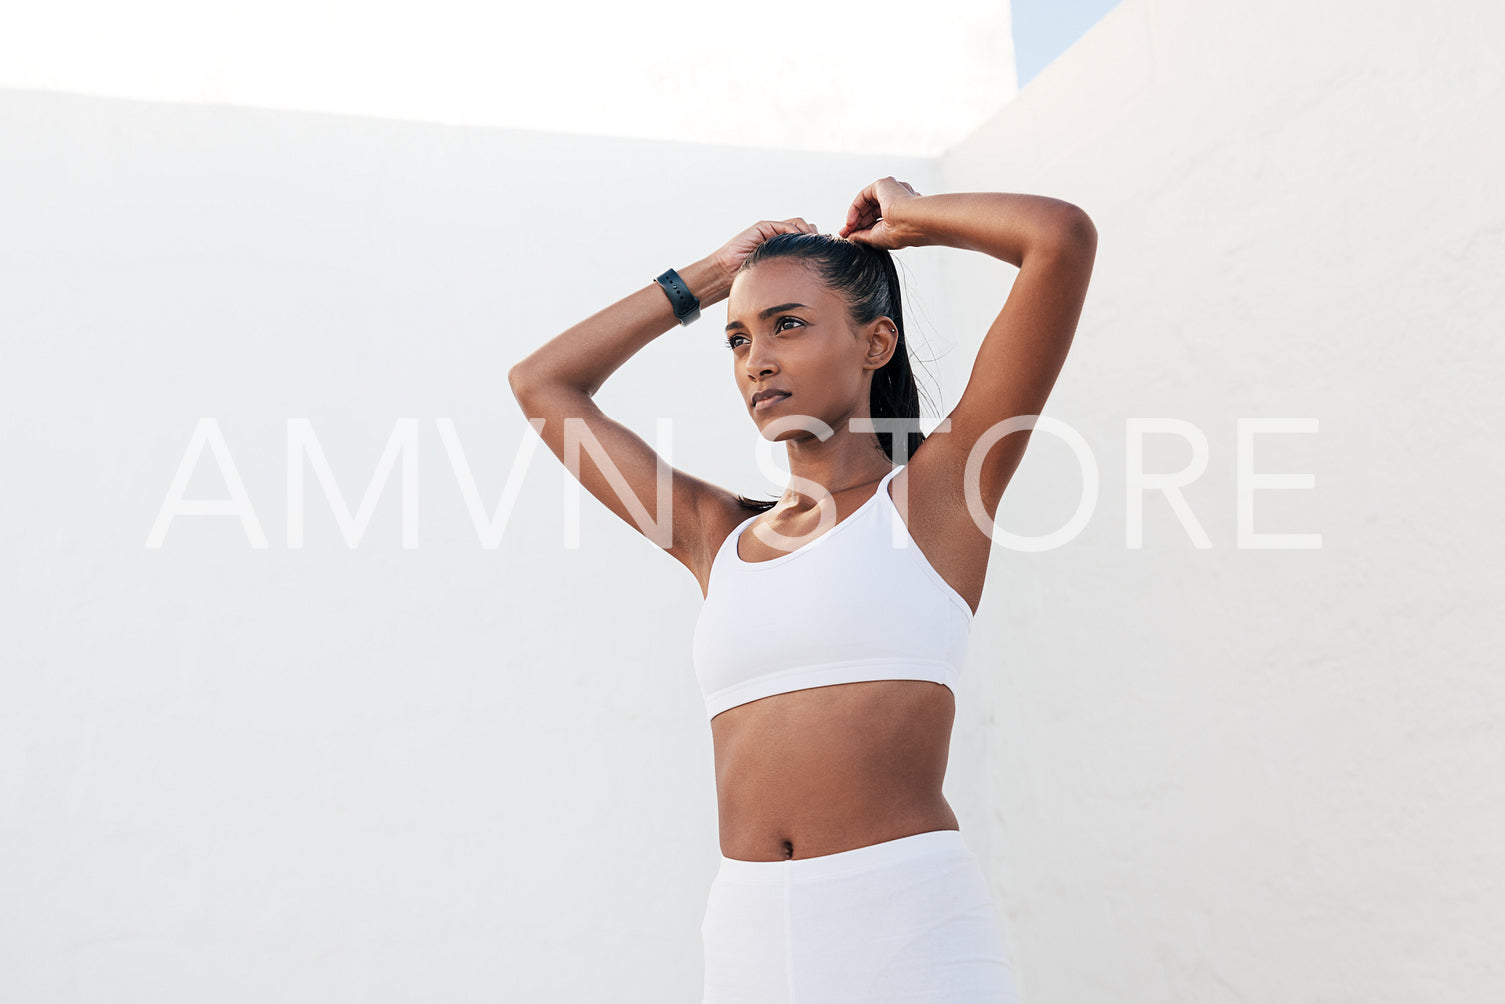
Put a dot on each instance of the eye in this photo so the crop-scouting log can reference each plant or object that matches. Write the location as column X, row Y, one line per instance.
column 731, row 342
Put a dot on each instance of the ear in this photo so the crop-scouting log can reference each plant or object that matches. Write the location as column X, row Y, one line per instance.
column 880, row 337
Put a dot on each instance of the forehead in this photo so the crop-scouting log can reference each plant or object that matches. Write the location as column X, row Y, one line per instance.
column 779, row 280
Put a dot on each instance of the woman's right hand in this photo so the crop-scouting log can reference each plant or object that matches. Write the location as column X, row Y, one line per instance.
column 735, row 252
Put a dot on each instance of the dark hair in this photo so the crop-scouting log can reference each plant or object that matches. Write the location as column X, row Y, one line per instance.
column 868, row 279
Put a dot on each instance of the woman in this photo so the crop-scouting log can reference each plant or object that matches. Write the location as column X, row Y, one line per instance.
column 836, row 618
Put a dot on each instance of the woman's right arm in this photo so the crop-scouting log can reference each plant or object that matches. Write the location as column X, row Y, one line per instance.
column 581, row 358
column 556, row 384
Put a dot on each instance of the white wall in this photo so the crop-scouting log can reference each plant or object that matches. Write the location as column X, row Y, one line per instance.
column 445, row 773
column 1237, row 774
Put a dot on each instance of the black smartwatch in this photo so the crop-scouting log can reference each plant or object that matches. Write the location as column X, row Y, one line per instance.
column 686, row 306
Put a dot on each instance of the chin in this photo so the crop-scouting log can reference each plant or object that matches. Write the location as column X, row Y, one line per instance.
column 776, row 429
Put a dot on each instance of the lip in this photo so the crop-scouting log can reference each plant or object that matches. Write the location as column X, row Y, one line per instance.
column 764, row 399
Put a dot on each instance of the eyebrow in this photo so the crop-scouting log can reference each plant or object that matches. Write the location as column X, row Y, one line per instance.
column 763, row 315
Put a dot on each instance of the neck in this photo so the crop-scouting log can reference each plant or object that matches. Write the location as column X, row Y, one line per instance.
column 809, row 487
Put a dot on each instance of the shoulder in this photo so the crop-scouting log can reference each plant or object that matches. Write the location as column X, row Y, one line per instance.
column 932, row 484
column 720, row 515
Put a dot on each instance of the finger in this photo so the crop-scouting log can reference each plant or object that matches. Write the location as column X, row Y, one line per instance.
column 857, row 211
column 866, row 201
column 865, row 219
column 868, row 196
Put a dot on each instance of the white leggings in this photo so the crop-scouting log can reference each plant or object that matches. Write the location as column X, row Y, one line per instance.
column 905, row 920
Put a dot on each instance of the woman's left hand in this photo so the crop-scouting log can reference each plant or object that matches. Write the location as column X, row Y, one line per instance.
column 876, row 215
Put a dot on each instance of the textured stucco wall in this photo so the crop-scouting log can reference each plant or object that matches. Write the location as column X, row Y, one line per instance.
column 446, row 773
column 1236, row 774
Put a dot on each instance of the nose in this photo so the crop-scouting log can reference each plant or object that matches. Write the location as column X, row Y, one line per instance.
column 760, row 361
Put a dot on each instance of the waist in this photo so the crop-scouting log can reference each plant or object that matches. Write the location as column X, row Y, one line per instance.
column 826, row 769
column 898, row 853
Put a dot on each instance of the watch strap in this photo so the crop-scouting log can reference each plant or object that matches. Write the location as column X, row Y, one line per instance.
column 686, row 304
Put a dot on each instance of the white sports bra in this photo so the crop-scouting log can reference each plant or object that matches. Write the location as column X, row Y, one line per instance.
column 858, row 602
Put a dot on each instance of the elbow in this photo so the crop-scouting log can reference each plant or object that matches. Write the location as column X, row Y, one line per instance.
column 1068, row 234
column 1076, row 232
column 531, row 382
column 519, row 380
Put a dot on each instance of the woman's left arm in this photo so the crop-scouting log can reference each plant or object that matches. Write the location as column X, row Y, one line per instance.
column 1053, row 244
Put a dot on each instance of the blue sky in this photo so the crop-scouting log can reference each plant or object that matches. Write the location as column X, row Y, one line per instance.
column 1043, row 29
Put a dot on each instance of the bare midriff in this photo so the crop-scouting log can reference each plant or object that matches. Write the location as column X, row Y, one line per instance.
column 829, row 769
